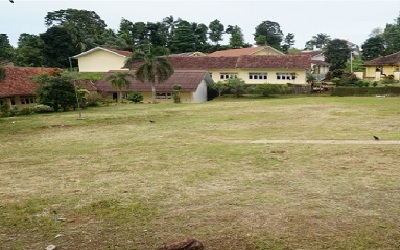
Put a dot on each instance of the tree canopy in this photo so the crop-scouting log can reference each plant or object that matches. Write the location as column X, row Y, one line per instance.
column 337, row 52
column 271, row 33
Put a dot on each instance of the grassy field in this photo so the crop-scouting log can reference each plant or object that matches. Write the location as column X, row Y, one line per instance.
column 121, row 182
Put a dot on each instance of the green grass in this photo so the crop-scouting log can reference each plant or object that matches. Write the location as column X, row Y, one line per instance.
column 122, row 182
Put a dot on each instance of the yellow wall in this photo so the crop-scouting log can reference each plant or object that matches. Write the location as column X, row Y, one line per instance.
column 387, row 70
column 100, row 61
column 271, row 76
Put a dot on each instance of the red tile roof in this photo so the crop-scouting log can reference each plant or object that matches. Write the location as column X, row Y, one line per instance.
column 393, row 59
column 18, row 81
column 86, row 84
column 188, row 79
column 321, row 63
column 122, row 52
column 299, row 61
column 239, row 52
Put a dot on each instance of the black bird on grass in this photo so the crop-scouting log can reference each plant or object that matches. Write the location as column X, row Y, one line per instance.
column 151, row 121
column 376, row 138
column 11, row 1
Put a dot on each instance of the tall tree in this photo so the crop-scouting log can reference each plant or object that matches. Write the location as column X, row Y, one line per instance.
column 319, row 41
column 236, row 40
column 29, row 51
column 337, row 52
column 125, row 32
column 120, row 80
column 151, row 68
column 391, row 35
column 6, row 50
column 184, row 38
column 272, row 33
column 288, row 43
column 170, row 23
column 58, row 47
column 200, row 32
column 372, row 48
column 85, row 27
column 216, row 31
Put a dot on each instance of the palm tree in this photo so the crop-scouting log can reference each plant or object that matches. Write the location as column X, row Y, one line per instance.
column 151, row 68
column 119, row 80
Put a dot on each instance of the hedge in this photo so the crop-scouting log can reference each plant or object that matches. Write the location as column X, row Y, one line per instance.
column 365, row 91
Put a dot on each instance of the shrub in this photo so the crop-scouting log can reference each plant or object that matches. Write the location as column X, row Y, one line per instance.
column 375, row 83
column 135, row 97
column 94, row 100
column 41, row 108
column 266, row 89
column 4, row 108
column 366, row 91
column 25, row 111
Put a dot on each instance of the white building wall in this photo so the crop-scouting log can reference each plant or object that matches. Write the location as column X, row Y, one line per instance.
column 200, row 95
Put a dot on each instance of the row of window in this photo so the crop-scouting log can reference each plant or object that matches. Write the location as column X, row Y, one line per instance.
column 24, row 100
column 258, row 76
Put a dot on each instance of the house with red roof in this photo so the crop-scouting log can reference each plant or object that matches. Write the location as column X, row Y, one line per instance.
column 382, row 67
column 102, row 60
column 193, row 84
column 253, row 69
column 17, row 88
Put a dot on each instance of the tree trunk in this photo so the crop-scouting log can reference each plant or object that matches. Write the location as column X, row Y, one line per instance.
column 120, row 96
column 153, row 93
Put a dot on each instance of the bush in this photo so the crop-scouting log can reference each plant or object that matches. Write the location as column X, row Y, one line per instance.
column 25, row 111
column 366, row 91
column 4, row 108
column 267, row 89
column 41, row 108
column 95, row 100
column 135, row 97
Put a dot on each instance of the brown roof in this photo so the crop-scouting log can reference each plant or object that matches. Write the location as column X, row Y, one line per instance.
column 18, row 81
column 122, row 52
column 239, row 52
column 115, row 51
column 188, row 79
column 393, row 59
column 299, row 61
column 205, row 63
column 321, row 63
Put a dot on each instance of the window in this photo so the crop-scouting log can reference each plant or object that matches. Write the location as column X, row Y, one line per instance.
column 223, row 76
column 285, row 76
column 12, row 101
column 28, row 100
column 164, row 95
column 258, row 76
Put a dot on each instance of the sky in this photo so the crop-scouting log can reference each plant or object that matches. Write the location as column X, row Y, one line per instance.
column 350, row 20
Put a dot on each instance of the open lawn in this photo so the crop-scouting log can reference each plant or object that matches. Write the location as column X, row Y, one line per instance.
column 233, row 174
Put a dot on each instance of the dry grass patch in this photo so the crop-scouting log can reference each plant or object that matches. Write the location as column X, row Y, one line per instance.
column 125, row 183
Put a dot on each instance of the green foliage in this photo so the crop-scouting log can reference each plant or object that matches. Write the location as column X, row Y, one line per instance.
column 355, row 64
column 319, row 41
column 95, row 100
column 236, row 40
column 373, row 48
column 120, row 80
column 266, row 90
column 151, row 68
column 272, row 33
column 56, row 91
column 58, row 47
column 365, row 91
column 387, row 81
column 216, row 31
column 41, row 108
column 236, row 86
column 30, row 51
column 6, row 50
column 219, row 86
column 337, row 53
column 25, row 111
column 135, row 97
column 4, row 108
column 375, row 83
column 288, row 42
column 184, row 39
column 362, row 83
column 92, row 76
